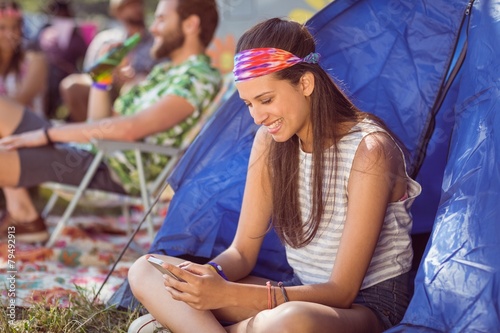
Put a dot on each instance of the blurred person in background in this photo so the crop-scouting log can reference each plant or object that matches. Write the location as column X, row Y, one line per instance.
column 130, row 15
column 64, row 46
column 160, row 109
column 23, row 72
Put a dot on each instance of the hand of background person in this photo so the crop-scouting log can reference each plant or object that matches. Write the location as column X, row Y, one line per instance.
column 203, row 288
column 123, row 72
column 34, row 138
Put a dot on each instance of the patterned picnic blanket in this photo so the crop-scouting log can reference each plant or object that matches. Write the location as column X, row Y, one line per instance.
column 80, row 259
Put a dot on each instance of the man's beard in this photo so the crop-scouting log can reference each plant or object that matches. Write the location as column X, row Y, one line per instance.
column 169, row 44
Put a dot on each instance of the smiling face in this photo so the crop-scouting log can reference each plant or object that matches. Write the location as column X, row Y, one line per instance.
column 166, row 29
column 284, row 109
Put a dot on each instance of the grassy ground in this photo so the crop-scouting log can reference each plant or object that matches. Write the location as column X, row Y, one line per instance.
column 82, row 316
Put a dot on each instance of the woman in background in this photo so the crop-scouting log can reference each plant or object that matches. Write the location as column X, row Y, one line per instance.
column 62, row 43
column 23, row 74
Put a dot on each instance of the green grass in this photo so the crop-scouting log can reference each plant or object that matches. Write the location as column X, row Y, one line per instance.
column 81, row 316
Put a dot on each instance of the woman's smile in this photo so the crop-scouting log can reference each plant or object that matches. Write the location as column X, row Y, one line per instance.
column 275, row 126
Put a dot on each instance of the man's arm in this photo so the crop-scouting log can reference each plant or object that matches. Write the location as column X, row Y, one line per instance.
column 162, row 115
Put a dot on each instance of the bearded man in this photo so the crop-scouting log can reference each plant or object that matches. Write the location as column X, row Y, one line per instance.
column 160, row 109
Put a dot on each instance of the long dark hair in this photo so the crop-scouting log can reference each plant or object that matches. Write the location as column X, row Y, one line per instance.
column 330, row 108
column 18, row 56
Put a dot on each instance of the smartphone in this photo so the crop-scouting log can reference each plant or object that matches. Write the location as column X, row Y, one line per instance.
column 158, row 264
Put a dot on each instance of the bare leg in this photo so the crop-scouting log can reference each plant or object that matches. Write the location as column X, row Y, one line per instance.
column 301, row 317
column 18, row 200
column 19, row 203
column 304, row 317
column 75, row 90
column 147, row 285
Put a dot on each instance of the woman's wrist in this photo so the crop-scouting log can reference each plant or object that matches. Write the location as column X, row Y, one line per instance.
column 218, row 269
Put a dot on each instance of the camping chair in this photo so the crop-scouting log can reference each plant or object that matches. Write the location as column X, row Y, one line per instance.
column 100, row 198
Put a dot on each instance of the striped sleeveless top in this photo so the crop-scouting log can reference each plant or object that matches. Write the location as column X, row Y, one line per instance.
column 393, row 255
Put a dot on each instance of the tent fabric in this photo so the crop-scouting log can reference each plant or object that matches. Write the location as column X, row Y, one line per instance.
column 457, row 285
column 384, row 56
column 392, row 57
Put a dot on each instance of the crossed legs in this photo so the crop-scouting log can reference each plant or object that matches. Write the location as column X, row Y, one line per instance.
column 147, row 285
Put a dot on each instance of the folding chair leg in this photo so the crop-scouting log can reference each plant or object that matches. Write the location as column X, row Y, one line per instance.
column 126, row 215
column 50, row 204
column 74, row 201
column 144, row 192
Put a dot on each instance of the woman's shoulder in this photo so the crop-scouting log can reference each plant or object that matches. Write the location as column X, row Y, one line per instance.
column 367, row 138
column 369, row 125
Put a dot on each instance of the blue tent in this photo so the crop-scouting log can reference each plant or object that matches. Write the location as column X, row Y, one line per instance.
column 431, row 70
column 457, row 285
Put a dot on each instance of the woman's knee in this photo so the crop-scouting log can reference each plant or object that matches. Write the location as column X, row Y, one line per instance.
column 75, row 83
column 74, row 87
column 287, row 318
column 136, row 275
column 142, row 276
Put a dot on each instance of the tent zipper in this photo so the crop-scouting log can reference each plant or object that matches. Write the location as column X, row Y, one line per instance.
column 451, row 73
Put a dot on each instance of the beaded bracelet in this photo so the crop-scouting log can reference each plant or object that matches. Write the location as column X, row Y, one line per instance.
column 218, row 269
column 101, row 86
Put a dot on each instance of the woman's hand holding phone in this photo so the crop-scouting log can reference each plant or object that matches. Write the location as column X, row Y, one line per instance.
column 157, row 263
column 202, row 288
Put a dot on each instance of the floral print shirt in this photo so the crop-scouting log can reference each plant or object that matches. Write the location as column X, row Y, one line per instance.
column 194, row 80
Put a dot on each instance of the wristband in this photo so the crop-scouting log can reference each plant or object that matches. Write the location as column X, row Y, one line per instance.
column 46, row 132
column 218, row 269
column 101, row 86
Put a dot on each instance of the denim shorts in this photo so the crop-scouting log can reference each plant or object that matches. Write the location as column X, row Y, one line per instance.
column 387, row 299
column 61, row 163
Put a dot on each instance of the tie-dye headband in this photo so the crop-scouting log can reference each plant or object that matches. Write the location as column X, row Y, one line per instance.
column 257, row 62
